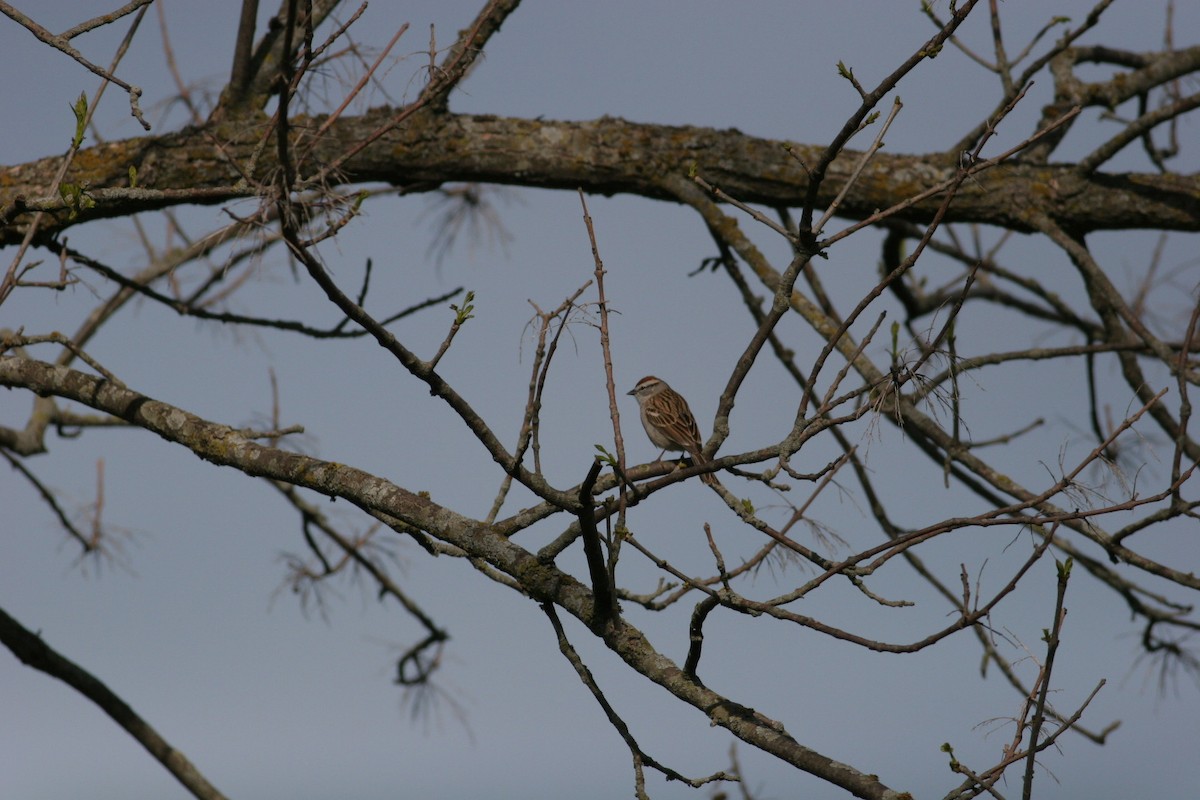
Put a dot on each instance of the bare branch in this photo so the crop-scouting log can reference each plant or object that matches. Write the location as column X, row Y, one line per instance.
column 34, row 652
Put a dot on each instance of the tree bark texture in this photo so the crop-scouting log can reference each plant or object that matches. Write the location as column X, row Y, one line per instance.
column 606, row 156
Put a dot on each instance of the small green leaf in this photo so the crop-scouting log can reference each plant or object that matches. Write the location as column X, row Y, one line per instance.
column 75, row 197
column 132, row 176
column 605, row 456
column 1064, row 568
column 948, row 750
column 464, row 313
column 80, row 110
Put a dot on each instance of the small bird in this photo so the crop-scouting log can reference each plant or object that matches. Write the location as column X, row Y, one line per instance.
column 668, row 421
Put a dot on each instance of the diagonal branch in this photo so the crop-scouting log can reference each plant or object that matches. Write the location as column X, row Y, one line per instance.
column 464, row 53
column 223, row 445
column 62, row 43
column 855, row 121
column 34, row 652
column 639, row 755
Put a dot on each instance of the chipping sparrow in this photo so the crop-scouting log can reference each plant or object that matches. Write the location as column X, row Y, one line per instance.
column 668, row 421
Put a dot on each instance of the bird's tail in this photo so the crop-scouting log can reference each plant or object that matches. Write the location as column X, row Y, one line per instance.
column 708, row 478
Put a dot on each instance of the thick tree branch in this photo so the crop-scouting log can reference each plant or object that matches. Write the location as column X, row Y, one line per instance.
column 189, row 168
column 252, row 75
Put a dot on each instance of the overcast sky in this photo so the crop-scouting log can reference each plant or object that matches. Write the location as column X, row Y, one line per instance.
column 194, row 626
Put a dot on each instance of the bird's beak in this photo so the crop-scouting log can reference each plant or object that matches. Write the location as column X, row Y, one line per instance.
column 632, row 391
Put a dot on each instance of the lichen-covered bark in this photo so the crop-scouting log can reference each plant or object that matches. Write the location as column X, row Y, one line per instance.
column 604, row 156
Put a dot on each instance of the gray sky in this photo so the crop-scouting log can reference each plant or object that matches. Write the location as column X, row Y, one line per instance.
column 193, row 628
